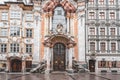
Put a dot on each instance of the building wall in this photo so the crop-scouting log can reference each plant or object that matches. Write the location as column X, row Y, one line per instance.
column 102, row 18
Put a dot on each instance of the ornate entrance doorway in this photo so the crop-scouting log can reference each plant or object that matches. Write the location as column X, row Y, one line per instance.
column 16, row 65
column 59, row 50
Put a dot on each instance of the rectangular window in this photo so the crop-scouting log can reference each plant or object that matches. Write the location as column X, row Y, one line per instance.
column 59, row 12
column 92, row 46
column 114, row 64
column 3, row 48
column 4, row 32
column 111, row 2
column 29, row 17
column 29, row 33
column 101, row 2
column 14, row 47
column 112, row 31
column 28, row 48
column 103, row 64
column 92, row 31
column 91, row 1
column 15, row 14
column 14, row 31
column 102, row 15
column 113, row 46
column 102, row 31
column 91, row 15
column 112, row 15
column 4, row 16
column 102, row 46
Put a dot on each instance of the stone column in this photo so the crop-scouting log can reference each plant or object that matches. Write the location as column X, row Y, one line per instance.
column 50, row 23
column 68, row 26
column 47, row 59
column 70, row 59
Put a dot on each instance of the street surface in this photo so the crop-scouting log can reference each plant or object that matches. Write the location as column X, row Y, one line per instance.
column 58, row 76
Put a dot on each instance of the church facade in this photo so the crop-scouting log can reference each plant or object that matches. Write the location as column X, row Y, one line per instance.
column 57, row 31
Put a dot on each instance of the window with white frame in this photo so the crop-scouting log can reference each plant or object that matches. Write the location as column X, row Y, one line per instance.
column 29, row 33
column 101, row 2
column 102, row 46
column 29, row 17
column 3, row 48
column 112, row 31
column 92, row 46
column 113, row 46
column 92, row 31
column 59, row 12
column 102, row 15
column 15, row 14
column 91, row 1
column 111, row 2
column 102, row 31
column 15, row 31
column 14, row 47
column 112, row 15
column 4, row 32
column 28, row 48
column 4, row 16
column 91, row 15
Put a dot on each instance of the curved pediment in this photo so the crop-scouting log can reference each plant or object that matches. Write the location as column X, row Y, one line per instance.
column 59, row 38
column 51, row 5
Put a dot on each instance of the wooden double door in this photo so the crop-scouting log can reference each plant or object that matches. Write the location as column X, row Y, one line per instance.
column 16, row 65
column 59, row 51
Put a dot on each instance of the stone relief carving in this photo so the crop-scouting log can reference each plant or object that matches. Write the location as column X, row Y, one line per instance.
column 59, row 28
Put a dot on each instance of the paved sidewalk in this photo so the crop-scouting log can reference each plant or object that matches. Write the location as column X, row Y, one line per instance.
column 109, row 76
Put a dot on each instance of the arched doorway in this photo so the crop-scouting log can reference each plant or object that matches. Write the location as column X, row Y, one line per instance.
column 59, row 51
column 16, row 65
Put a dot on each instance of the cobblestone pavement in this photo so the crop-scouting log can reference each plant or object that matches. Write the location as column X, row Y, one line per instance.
column 59, row 76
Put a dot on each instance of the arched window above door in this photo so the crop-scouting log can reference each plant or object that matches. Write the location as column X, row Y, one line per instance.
column 59, row 18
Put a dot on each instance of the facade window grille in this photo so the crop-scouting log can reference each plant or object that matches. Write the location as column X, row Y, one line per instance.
column 113, row 46
column 4, row 32
column 29, row 33
column 112, row 31
column 14, row 47
column 28, row 48
column 112, row 15
column 101, row 2
column 111, row 2
column 102, row 46
column 3, row 48
column 14, row 31
column 59, row 12
column 91, row 15
column 92, row 46
column 29, row 17
column 102, row 15
column 15, row 15
column 102, row 31
column 4, row 16
column 92, row 31
column 114, row 64
column 91, row 1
